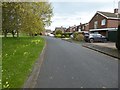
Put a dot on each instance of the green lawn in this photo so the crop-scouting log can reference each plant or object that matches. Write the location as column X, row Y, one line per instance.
column 18, row 58
column 0, row 62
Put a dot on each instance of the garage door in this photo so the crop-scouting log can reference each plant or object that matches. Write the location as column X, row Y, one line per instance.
column 112, row 36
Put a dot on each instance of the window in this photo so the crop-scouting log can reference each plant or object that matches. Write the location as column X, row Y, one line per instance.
column 83, row 27
column 103, row 22
column 79, row 29
column 95, row 24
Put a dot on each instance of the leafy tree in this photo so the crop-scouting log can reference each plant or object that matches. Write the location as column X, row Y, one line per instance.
column 10, row 18
column 118, row 38
column 27, row 17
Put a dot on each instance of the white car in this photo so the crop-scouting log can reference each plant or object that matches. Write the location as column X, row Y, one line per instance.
column 51, row 35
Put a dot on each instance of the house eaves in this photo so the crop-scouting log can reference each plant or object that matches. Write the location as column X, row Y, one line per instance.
column 102, row 14
column 104, row 29
column 107, row 17
column 113, row 18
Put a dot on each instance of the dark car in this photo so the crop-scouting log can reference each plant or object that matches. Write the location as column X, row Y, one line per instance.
column 96, row 38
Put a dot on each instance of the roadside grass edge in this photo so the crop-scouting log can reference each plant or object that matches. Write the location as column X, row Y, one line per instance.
column 32, row 78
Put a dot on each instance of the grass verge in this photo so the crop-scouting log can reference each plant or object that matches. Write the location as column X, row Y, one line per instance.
column 18, row 58
column 0, row 62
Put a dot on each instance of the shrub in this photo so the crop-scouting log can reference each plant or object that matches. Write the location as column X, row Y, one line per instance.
column 67, row 36
column 78, row 37
column 58, row 35
column 58, row 32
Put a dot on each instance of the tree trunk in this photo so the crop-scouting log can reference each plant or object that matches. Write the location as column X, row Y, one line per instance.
column 5, row 34
column 17, row 33
column 118, row 38
column 13, row 34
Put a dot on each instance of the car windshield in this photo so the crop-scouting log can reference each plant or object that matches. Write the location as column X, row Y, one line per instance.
column 99, row 35
column 96, row 35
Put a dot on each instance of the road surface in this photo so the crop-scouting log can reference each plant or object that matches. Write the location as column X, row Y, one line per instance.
column 69, row 65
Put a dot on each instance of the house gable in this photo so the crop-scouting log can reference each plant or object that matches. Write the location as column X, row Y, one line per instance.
column 97, row 18
column 99, row 15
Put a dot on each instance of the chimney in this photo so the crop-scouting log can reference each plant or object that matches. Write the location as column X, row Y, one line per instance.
column 115, row 10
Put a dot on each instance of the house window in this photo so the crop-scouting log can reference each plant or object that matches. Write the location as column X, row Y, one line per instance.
column 95, row 24
column 83, row 27
column 103, row 22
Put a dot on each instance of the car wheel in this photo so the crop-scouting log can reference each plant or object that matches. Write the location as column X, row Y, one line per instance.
column 91, row 40
column 105, row 40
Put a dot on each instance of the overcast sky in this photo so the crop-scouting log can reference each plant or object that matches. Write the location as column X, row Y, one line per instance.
column 73, row 12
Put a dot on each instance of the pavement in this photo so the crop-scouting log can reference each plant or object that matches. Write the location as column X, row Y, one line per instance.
column 70, row 65
column 107, row 45
column 108, row 48
column 105, row 48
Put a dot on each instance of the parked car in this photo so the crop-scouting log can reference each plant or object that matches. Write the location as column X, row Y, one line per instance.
column 86, row 36
column 51, row 35
column 96, row 38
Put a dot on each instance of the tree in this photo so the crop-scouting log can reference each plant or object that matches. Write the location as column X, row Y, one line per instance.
column 27, row 17
column 118, row 38
column 10, row 18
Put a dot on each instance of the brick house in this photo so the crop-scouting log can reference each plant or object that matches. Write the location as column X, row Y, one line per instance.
column 105, row 23
column 84, row 27
column 47, row 31
column 72, row 29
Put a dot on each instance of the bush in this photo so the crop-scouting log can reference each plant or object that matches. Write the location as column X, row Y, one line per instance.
column 78, row 37
column 58, row 32
column 58, row 35
column 66, row 35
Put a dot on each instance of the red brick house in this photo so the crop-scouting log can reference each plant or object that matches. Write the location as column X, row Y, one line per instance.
column 78, row 28
column 47, row 31
column 72, row 29
column 84, row 27
column 105, row 23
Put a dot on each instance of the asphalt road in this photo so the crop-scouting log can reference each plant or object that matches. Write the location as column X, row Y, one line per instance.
column 69, row 65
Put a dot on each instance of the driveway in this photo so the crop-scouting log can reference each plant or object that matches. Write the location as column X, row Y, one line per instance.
column 69, row 65
column 108, row 44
